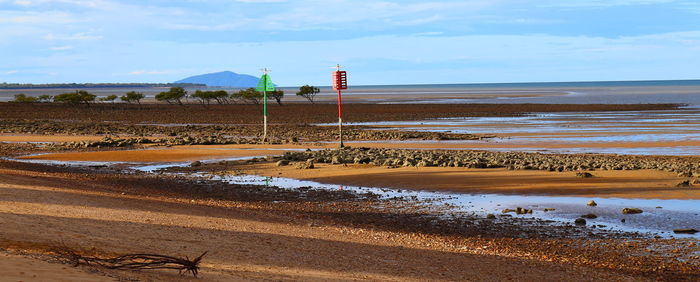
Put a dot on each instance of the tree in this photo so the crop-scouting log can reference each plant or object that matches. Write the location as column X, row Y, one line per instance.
column 45, row 98
column 132, row 96
column 78, row 97
column 174, row 95
column 109, row 98
column 251, row 95
column 220, row 96
column 21, row 98
column 309, row 92
column 276, row 95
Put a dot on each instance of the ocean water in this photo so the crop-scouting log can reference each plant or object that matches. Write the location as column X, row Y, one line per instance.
column 603, row 92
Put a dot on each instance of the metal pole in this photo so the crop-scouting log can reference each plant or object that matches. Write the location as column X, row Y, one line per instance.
column 265, row 114
column 340, row 118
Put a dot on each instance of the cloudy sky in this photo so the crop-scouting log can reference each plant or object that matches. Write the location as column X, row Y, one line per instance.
column 378, row 42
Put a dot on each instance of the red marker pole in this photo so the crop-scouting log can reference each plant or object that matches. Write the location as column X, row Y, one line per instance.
column 340, row 118
column 340, row 82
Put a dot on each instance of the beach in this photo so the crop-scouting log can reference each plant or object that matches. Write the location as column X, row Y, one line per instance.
column 420, row 192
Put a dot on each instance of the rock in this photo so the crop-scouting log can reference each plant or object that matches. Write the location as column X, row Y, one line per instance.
column 685, row 231
column 520, row 210
column 589, row 216
column 507, row 210
column 631, row 211
column 549, row 209
column 696, row 181
column 622, row 220
column 308, row 164
column 685, row 183
column 584, row 175
column 685, row 174
column 592, row 203
column 196, row 163
column 491, row 216
column 282, row 162
column 580, row 221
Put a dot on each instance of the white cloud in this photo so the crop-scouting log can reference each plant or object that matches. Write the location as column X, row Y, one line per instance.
column 601, row 3
column 144, row 72
column 72, row 37
column 61, row 48
column 319, row 15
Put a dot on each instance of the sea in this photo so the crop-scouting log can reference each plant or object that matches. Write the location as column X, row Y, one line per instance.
column 686, row 92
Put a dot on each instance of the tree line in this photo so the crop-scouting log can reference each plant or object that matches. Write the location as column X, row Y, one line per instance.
column 5, row 85
column 176, row 95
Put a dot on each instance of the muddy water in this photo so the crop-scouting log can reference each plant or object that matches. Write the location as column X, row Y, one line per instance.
column 659, row 217
column 638, row 133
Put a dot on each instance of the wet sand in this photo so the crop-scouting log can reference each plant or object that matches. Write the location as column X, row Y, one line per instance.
column 639, row 184
column 648, row 184
column 35, row 138
column 159, row 155
column 198, row 152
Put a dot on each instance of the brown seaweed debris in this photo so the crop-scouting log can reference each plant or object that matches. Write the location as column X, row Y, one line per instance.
column 134, row 261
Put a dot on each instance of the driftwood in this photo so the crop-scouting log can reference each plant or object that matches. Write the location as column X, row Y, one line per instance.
column 135, row 261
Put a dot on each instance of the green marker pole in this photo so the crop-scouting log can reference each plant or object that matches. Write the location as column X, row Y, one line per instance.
column 264, row 85
column 265, row 114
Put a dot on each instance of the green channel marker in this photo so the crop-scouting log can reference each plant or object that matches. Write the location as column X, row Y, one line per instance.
column 265, row 84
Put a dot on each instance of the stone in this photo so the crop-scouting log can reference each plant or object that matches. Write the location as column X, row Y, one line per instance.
column 589, row 216
column 282, row 163
column 549, row 209
column 491, row 216
column 196, row 163
column 308, row 164
column 520, row 210
column 580, row 221
column 685, row 231
column 685, row 183
column 631, row 211
column 592, row 203
column 584, row 175
column 685, row 174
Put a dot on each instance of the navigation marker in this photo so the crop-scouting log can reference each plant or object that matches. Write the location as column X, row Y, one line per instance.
column 265, row 84
column 340, row 82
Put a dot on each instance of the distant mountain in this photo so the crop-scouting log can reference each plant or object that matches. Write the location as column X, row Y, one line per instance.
column 224, row 78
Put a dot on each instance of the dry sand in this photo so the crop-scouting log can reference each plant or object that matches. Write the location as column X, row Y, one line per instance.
column 23, row 268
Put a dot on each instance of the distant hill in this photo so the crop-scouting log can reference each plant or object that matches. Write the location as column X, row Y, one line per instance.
column 224, row 78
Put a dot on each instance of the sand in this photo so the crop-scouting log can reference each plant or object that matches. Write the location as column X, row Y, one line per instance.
column 47, row 138
column 23, row 268
column 645, row 184
column 649, row 184
column 158, row 155
column 243, row 243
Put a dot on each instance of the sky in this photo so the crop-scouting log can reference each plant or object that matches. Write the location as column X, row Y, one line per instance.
column 377, row 42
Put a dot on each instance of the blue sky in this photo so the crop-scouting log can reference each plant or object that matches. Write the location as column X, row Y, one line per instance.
column 378, row 42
